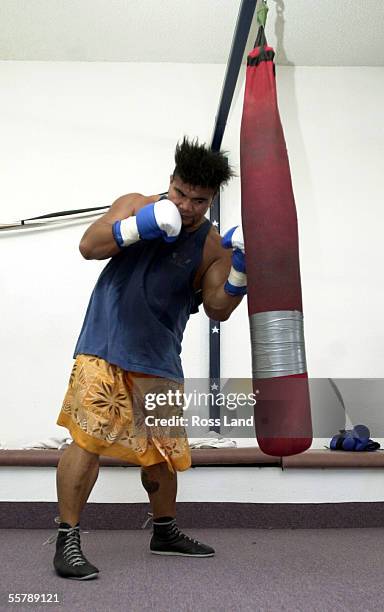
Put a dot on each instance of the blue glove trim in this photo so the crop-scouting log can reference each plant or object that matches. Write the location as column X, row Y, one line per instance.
column 168, row 238
column 238, row 260
column 146, row 223
column 232, row 290
column 117, row 234
column 226, row 240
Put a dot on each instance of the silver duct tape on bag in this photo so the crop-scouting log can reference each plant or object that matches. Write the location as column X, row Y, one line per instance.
column 277, row 339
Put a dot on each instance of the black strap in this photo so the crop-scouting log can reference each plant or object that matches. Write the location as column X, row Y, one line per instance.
column 64, row 213
column 261, row 40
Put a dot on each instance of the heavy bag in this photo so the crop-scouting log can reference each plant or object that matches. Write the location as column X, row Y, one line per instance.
column 280, row 380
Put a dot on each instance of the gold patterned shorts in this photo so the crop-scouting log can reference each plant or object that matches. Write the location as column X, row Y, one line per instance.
column 105, row 410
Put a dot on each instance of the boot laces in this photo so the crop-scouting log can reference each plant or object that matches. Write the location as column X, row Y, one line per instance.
column 147, row 520
column 52, row 538
column 175, row 533
column 72, row 551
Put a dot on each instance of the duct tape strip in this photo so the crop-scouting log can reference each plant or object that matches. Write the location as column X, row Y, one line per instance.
column 277, row 339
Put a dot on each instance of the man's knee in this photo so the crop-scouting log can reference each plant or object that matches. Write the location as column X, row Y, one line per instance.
column 150, row 479
column 84, row 455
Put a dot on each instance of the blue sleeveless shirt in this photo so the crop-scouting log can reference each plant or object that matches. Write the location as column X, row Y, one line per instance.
column 141, row 303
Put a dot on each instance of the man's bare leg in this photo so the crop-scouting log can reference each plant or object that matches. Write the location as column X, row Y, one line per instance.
column 76, row 475
column 167, row 539
column 161, row 486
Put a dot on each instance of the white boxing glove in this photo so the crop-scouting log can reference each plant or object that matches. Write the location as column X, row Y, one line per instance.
column 237, row 279
column 158, row 220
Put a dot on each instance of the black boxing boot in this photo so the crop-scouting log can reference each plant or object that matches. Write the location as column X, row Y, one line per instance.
column 69, row 561
column 167, row 539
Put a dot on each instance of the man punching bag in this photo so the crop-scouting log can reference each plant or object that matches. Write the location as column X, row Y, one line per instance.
column 280, row 380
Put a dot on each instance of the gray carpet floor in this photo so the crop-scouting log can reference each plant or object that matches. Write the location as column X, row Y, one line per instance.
column 253, row 570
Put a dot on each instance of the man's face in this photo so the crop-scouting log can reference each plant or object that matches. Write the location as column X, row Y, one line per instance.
column 192, row 202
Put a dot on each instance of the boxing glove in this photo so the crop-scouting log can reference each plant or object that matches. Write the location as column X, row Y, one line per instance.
column 158, row 220
column 237, row 279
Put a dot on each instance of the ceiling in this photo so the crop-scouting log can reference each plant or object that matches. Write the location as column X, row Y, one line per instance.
column 303, row 32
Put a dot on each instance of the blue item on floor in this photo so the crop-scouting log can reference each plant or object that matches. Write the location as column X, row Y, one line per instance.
column 356, row 439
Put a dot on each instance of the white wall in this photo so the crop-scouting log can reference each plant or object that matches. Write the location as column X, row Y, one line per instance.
column 80, row 134
column 249, row 484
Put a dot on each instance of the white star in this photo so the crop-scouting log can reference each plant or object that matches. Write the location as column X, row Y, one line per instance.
column 214, row 387
column 215, row 330
column 215, row 223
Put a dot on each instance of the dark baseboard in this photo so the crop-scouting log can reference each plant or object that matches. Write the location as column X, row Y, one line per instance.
column 40, row 515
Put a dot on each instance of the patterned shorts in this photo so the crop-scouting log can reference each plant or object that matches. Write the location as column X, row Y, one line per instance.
column 105, row 411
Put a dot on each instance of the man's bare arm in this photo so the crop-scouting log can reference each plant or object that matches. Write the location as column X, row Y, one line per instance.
column 217, row 303
column 98, row 241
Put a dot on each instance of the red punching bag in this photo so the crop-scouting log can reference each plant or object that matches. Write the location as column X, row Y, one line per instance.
column 280, row 379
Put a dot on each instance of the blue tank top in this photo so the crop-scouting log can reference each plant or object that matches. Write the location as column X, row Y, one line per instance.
column 141, row 303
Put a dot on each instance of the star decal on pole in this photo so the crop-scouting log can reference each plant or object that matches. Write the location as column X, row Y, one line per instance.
column 214, row 387
column 215, row 330
column 215, row 223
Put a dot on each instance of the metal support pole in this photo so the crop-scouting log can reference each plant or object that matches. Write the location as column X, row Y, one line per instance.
column 239, row 41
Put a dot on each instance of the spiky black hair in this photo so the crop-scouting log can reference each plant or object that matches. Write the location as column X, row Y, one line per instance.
column 197, row 165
